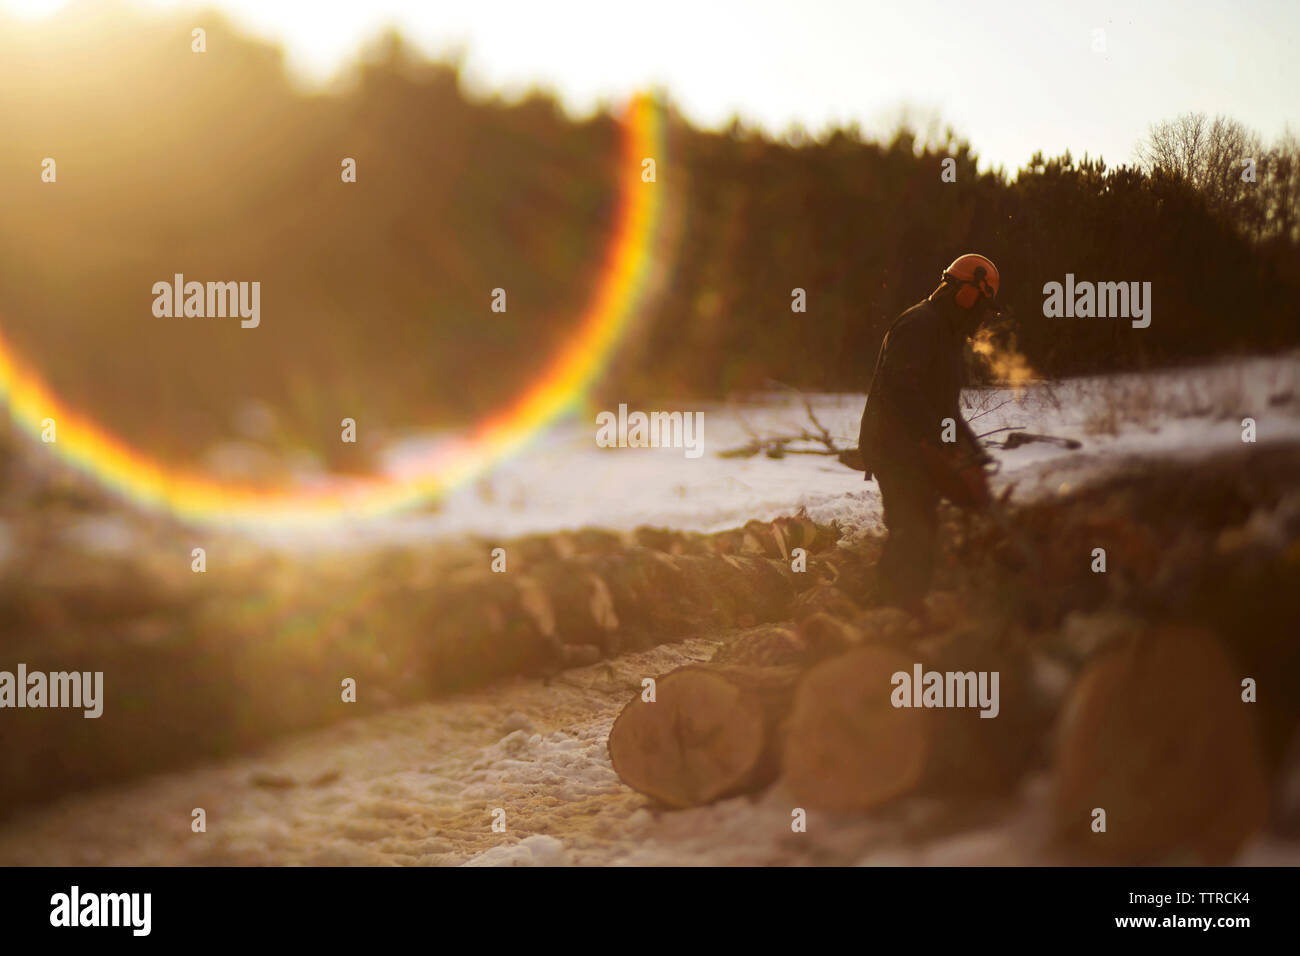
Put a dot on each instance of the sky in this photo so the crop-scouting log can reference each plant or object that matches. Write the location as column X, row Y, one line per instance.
column 1012, row 78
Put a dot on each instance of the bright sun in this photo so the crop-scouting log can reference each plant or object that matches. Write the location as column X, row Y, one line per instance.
column 31, row 9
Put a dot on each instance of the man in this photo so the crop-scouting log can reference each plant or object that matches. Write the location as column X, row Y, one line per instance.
column 913, row 438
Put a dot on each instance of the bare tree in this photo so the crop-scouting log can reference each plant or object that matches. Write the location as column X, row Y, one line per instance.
column 1212, row 156
column 1175, row 146
column 1282, row 189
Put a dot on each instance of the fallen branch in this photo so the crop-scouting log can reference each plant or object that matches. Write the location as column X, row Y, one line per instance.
column 823, row 435
column 775, row 448
column 987, row 411
column 1008, row 428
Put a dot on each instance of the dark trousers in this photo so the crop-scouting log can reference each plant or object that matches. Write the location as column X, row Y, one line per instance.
column 911, row 505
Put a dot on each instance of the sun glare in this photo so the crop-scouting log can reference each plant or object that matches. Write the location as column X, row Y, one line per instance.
column 31, row 9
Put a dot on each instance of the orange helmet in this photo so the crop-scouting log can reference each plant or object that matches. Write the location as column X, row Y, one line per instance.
column 976, row 275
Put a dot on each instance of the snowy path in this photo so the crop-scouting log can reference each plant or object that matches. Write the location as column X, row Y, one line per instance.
column 417, row 787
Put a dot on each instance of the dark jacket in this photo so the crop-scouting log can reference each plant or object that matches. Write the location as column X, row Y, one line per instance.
column 920, row 371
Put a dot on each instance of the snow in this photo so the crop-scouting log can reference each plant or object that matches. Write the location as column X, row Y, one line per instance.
column 416, row 786
column 536, row 850
column 564, row 481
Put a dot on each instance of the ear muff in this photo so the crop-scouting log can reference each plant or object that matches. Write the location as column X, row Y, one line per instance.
column 966, row 295
column 970, row 292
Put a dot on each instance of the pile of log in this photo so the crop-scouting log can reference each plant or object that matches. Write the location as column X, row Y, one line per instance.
column 574, row 598
column 1149, row 728
column 210, row 664
column 812, row 703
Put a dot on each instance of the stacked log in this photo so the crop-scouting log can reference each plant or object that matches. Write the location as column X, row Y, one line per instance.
column 574, row 599
column 844, row 741
column 1152, row 730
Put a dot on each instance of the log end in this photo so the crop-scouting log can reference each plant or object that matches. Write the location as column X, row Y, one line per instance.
column 847, row 748
column 1155, row 733
column 701, row 739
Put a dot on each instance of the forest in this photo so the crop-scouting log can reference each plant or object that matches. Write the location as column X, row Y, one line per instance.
column 458, row 195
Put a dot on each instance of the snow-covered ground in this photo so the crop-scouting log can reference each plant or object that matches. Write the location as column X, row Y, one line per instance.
column 564, row 481
column 419, row 785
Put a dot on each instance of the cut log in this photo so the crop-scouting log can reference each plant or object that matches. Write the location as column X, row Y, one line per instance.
column 1156, row 734
column 847, row 748
column 800, row 531
column 768, row 645
column 711, row 732
column 821, row 597
column 887, row 625
column 826, row 635
column 987, row 745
